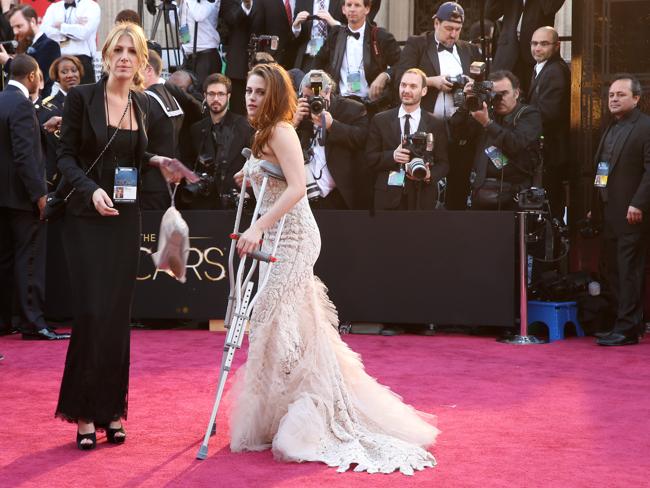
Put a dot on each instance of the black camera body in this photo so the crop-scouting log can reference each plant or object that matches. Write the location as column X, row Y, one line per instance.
column 262, row 43
column 317, row 103
column 482, row 90
column 420, row 146
column 531, row 199
column 207, row 178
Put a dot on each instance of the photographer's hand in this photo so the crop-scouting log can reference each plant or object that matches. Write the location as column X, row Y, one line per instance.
column 634, row 215
column 378, row 86
column 482, row 116
column 4, row 57
column 327, row 17
column 302, row 111
column 401, row 155
column 300, row 18
column 439, row 83
column 318, row 119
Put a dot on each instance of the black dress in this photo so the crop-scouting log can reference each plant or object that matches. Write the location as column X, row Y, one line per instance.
column 102, row 257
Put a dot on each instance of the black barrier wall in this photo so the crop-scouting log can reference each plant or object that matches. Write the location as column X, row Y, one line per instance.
column 402, row 267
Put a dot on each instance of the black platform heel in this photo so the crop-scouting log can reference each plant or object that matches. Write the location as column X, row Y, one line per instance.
column 88, row 445
column 113, row 438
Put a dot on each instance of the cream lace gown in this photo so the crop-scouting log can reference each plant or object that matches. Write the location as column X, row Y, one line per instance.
column 302, row 391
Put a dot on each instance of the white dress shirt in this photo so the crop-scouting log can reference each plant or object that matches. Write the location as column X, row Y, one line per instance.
column 207, row 15
column 318, row 167
column 19, row 85
column 77, row 34
column 315, row 31
column 352, row 63
column 539, row 67
column 450, row 65
column 414, row 122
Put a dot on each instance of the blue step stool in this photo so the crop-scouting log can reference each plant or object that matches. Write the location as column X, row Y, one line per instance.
column 555, row 316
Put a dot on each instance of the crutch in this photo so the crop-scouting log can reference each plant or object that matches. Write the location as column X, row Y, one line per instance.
column 240, row 303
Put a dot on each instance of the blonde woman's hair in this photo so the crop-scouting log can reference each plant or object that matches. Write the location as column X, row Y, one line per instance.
column 139, row 39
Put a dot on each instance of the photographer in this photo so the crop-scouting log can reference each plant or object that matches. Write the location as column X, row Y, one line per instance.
column 332, row 132
column 407, row 150
column 217, row 142
column 507, row 132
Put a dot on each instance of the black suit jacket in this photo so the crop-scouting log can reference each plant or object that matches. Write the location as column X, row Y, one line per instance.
column 330, row 57
column 46, row 108
column 537, row 13
column 269, row 17
column 21, row 163
column 44, row 51
column 239, row 25
column 344, row 145
column 305, row 33
column 83, row 133
column 628, row 183
column 237, row 134
column 550, row 92
column 422, row 52
column 383, row 138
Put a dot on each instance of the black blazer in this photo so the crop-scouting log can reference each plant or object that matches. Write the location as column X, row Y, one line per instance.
column 242, row 136
column 83, row 133
column 21, row 163
column 269, row 17
column 537, row 13
column 46, row 108
column 44, row 51
column 422, row 52
column 239, row 25
column 383, row 138
column 550, row 92
column 330, row 57
column 344, row 145
column 629, row 176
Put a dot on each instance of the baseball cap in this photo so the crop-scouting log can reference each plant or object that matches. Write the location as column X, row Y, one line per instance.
column 450, row 11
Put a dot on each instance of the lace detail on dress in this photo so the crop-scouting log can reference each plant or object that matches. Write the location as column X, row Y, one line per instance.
column 302, row 391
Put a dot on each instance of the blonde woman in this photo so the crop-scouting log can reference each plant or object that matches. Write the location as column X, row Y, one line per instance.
column 303, row 393
column 102, row 232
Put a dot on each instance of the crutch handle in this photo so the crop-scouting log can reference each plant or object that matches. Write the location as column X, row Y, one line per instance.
column 259, row 255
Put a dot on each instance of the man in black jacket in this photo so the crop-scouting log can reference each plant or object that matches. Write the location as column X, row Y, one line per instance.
column 507, row 149
column 359, row 57
column 621, row 201
column 520, row 20
column 397, row 187
column 550, row 92
column 170, row 111
column 275, row 18
column 24, row 22
column 333, row 141
column 22, row 198
column 217, row 142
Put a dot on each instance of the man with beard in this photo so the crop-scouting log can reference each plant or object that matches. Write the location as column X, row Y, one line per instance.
column 217, row 142
column 24, row 23
column 397, row 187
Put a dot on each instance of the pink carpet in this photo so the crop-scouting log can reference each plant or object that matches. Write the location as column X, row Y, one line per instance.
column 568, row 414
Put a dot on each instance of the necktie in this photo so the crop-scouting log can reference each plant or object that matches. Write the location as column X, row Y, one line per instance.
column 442, row 47
column 407, row 126
column 287, row 9
column 70, row 5
column 356, row 35
column 321, row 25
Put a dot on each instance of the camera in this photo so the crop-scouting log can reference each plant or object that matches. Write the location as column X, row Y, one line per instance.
column 420, row 145
column 481, row 90
column 207, row 180
column 260, row 43
column 532, row 198
column 588, row 229
column 316, row 102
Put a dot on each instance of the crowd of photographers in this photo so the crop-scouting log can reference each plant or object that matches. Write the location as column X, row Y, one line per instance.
column 441, row 123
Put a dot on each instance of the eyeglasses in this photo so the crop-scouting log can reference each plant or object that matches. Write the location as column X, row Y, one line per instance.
column 542, row 43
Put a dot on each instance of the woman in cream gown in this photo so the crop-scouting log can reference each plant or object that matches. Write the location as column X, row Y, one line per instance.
column 303, row 392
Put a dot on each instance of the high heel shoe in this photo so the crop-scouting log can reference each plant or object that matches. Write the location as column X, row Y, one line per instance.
column 87, row 446
column 113, row 438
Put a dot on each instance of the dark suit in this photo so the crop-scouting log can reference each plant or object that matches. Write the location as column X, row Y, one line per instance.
column 235, row 133
column 239, row 25
column 22, row 234
column 513, row 54
column 46, row 108
column 270, row 18
column 421, row 52
column 625, row 244
column 550, row 92
column 305, row 62
column 44, row 51
column 83, row 133
column 330, row 57
column 344, row 146
column 383, row 138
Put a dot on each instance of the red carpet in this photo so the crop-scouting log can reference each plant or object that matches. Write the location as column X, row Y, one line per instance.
column 568, row 414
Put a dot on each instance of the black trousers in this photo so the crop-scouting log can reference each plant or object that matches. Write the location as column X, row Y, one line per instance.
column 333, row 201
column 203, row 63
column 624, row 262
column 89, row 69
column 461, row 160
column 22, row 269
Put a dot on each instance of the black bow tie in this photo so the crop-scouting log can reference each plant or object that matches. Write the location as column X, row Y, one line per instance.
column 442, row 47
column 356, row 35
column 70, row 5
